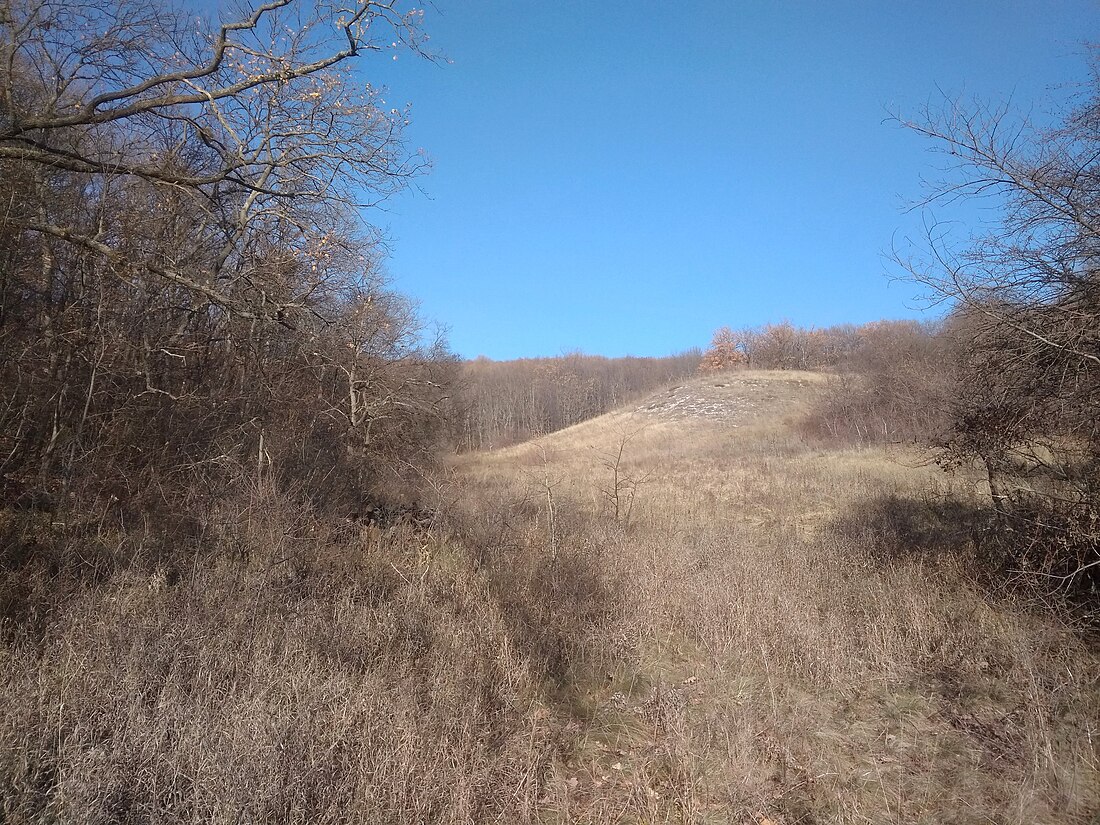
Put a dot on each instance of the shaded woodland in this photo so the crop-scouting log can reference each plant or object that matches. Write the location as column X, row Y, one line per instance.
column 190, row 303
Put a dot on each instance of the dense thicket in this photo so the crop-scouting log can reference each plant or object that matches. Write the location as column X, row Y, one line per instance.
column 188, row 298
column 503, row 402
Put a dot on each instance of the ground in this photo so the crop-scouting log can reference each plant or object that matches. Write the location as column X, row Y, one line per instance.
column 690, row 610
column 772, row 650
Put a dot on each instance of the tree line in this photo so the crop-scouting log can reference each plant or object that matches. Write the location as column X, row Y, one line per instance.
column 190, row 300
column 498, row 403
column 784, row 346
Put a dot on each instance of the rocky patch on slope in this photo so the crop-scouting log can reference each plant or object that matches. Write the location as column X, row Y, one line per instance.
column 732, row 399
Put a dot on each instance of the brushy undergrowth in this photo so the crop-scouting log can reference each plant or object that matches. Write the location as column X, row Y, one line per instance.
column 276, row 671
column 774, row 630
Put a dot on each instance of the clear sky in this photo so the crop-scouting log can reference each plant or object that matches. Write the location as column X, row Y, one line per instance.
column 625, row 177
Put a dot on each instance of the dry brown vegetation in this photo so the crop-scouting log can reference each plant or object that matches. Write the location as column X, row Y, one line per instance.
column 277, row 671
column 239, row 584
column 758, row 633
column 798, row 632
column 188, row 293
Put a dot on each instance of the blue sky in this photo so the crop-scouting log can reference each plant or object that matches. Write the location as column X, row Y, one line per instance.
column 625, row 177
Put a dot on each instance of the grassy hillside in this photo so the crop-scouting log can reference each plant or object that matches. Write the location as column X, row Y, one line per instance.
column 789, row 632
column 684, row 611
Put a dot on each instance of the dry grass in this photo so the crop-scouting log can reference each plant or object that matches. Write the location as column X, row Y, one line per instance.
column 275, row 672
column 809, row 643
column 757, row 631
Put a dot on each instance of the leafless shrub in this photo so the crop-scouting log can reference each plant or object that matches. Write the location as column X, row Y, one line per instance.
column 1024, row 300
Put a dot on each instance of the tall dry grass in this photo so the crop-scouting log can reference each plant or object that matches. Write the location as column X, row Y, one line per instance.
column 774, row 629
column 806, row 636
column 278, row 670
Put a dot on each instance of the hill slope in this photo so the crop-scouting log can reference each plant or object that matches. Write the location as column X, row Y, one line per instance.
column 679, row 612
column 781, row 631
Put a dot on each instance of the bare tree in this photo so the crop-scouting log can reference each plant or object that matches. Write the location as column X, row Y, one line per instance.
column 256, row 127
column 185, row 270
column 1025, row 297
